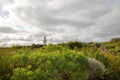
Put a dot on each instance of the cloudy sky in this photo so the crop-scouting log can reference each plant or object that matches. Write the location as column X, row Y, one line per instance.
column 27, row 21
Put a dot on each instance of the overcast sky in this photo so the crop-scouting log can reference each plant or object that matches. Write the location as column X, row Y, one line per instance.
column 27, row 21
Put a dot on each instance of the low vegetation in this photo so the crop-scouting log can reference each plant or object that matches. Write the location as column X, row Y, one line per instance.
column 65, row 61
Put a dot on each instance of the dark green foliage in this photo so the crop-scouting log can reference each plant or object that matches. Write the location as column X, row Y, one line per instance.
column 115, row 40
column 73, row 45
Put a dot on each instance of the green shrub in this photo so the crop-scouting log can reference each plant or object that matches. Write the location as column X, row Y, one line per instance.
column 54, row 66
column 53, row 48
column 23, row 74
column 112, row 64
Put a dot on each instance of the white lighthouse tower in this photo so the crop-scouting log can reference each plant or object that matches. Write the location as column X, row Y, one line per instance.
column 44, row 40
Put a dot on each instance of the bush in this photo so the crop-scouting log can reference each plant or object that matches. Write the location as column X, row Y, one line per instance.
column 52, row 65
column 53, row 48
column 96, row 69
column 23, row 74
column 112, row 64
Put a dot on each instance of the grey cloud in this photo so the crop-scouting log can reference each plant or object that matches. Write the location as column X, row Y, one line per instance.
column 39, row 15
column 87, row 13
column 89, row 6
column 68, row 20
column 16, row 37
column 50, row 21
column 40, row 34
column 34, row 38
column 109, row 25
column 7, row 30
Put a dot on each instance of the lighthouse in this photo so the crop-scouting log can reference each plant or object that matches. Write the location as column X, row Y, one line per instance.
column 44, row 40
